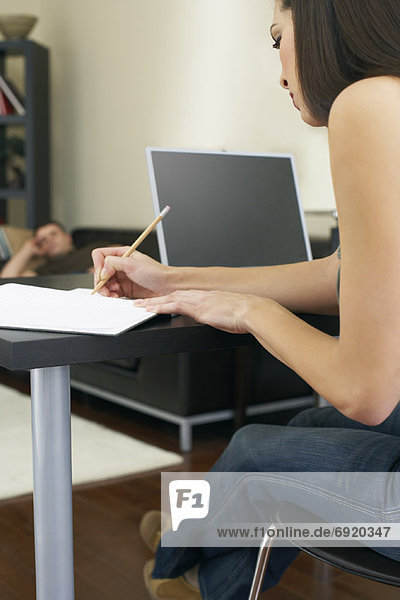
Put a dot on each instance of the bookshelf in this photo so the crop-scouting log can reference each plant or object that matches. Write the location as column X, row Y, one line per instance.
column 24, row 139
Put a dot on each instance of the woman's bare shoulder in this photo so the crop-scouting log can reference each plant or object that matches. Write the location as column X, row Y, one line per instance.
column 374, row 96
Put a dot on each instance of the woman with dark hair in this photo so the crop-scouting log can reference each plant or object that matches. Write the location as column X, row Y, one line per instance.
column 341, row 66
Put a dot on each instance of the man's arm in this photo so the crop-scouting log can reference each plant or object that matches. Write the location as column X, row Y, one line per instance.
column 17, row 265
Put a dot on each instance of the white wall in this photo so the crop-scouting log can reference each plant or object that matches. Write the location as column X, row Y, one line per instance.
column 181, row 73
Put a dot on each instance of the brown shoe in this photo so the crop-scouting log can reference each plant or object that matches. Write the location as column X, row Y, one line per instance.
column 150, row 529
column 168, row 589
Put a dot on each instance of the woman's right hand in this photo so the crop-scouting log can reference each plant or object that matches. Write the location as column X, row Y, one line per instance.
column 137, row 276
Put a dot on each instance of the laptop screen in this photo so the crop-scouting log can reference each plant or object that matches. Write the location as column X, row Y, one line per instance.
column 227, row 209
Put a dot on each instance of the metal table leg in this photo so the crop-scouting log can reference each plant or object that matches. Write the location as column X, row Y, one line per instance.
column 52, row 484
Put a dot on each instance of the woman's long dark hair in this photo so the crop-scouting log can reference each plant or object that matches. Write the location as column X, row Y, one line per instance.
column 339, row 42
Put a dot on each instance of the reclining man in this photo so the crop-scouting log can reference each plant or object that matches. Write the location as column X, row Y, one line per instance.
column 55, row 246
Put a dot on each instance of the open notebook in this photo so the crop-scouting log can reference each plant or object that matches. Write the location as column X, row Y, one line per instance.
column 74, row 311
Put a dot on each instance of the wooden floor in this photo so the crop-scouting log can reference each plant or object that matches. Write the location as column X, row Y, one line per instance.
column 109, row 555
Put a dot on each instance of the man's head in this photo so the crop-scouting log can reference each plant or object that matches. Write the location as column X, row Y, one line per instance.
column 53, row 240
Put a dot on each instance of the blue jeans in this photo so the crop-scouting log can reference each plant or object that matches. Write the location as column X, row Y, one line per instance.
column 318, row 439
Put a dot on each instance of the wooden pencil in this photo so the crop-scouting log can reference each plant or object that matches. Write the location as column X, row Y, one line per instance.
column 135, row 244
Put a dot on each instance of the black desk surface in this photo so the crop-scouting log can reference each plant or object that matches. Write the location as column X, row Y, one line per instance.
column 23, row 350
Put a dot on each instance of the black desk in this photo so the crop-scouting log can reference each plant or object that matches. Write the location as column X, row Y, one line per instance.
column 48, row 356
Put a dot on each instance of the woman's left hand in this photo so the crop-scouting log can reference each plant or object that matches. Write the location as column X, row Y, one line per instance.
column 224, row 310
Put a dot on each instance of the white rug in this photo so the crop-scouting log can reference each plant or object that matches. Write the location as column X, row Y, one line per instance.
column 98, row 453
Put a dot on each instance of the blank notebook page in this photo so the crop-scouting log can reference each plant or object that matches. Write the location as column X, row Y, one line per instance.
column 74, row 311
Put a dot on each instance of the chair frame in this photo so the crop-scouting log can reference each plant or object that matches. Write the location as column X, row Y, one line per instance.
column 360, row 561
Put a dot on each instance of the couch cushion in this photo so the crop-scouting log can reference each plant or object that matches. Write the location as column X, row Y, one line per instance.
column 15, row 237
column 123, row 237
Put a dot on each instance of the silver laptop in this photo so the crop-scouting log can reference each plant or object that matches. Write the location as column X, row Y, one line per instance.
column 227, row 209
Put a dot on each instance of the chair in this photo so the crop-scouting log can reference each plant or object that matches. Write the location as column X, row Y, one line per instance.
column 357, row 561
